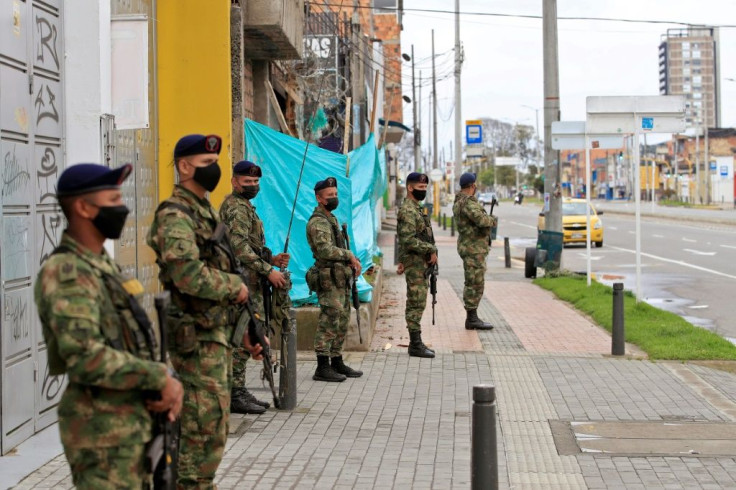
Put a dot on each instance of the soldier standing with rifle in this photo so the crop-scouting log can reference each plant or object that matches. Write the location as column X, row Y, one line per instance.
column 98, row 334
column 249, row 245
column 417, row 253
column 331, row 277
column 473, row 244
column 203, row 311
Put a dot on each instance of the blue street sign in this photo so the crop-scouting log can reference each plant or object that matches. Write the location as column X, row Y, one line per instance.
column 724, row 170
column 474, row 133
column 647, row 123
column 713, row 166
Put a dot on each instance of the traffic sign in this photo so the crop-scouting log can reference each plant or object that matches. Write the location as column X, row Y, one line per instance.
column 473, row 132
column 647, row 123
column 436, row 175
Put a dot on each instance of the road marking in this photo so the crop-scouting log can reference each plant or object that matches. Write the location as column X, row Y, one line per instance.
column 689, row 240
column 658, row 236
column 592, row 257
column 523, row 224
column 631, row 232
column 613, row 228
column 698, row 307
column 697, row 252
column 677, row 262
column 728, row 246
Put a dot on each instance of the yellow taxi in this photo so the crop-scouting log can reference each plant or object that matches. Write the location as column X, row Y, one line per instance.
column 573, row 222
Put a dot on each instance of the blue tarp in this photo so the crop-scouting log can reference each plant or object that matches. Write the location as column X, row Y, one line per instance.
column 280, row 157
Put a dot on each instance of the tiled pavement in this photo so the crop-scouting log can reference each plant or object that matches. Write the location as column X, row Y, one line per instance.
column 406, row 422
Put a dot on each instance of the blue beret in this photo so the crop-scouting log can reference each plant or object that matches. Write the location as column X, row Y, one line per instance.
column 325, row 184
column 467, row 179
column 84, row 178
column 417, row 177
column 197, row 144
column 244, row 167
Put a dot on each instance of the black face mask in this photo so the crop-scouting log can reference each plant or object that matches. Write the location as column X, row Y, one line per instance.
column 331, row 204
column 419, row 195
column 208, row 177
column 110, row 221
column 250, row 191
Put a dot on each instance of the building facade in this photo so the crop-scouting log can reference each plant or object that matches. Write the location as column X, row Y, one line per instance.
column 688, row 65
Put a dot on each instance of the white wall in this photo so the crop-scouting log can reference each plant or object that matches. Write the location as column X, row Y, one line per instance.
column 87, row 78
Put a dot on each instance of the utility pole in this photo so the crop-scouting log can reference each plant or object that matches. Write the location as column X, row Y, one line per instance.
column 417, row 141
column 434, row 109
column 419, row 117
column 552, row 167
column 458, row 91
column 708, row 178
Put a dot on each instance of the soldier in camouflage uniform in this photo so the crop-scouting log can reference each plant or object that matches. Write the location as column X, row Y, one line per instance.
column 330, row 276
column 417, row 253
column 202, row 312
column 473, row 244
column 94, row 337
column 249, row 244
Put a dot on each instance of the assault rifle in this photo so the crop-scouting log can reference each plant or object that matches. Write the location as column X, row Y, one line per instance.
column 494, row 229
column 431, row 273
column 249, row 322
column 353, row 283
column 162, row 452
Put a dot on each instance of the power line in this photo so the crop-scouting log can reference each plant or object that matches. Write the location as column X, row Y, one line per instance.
column 532, row 16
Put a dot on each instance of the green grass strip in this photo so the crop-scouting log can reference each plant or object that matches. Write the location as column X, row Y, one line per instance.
column 661, row 334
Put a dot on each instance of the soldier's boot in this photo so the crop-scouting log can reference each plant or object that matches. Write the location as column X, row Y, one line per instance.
column 472, row 322
column 240, row 404
column 251, row 398
column 339, row 367
column 417, row 347
column 325, row 372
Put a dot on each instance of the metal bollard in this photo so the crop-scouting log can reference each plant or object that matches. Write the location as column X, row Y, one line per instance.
column 507, row 252
column 287, row 377
column 484, row 456
column 444, row 222
column 452, row 225
column 618, row 338
column 396, row 249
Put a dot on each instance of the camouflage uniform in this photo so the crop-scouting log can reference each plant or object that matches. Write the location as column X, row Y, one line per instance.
column 474, row 229
column 248, row 240
column 416, row 244
column 83, row 302
column 332, row 260
column 200, row 322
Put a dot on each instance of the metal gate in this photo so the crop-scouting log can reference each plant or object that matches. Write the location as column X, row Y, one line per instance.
column 31, row 147
column 138, row 146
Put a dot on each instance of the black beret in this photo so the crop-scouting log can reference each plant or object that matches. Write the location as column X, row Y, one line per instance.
column 244, row 167
column 467, row 179
column 325, row 184
column 84, row 178
column 197, row 144
column 417, row 177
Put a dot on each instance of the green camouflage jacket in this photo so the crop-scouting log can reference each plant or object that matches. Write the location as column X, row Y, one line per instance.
column 325, row 240
column 246, row 234
column 473, row 225
column 195, row 271
column 103, row 404
column 416, row 240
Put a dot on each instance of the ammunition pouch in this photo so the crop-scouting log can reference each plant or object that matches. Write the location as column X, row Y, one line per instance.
column 312, row 278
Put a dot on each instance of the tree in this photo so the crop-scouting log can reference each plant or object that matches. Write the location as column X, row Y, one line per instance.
column 486, row 177
column 506, row 176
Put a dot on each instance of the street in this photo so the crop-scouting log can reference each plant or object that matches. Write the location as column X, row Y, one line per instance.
column 688, row 267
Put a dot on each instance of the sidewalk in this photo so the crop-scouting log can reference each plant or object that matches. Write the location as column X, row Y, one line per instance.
column 570, row 416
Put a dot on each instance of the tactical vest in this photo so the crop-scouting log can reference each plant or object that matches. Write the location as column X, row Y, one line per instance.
column 206, row 313
column 339, row 272
column 130, row 330
column 426, row 234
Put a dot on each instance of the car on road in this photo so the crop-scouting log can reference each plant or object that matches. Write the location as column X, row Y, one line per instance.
column 573, row 222
column 486, row 198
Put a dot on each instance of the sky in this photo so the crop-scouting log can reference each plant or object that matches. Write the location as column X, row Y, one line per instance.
column 503, row 71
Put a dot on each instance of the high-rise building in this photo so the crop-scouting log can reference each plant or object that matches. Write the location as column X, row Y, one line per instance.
column 688, row 65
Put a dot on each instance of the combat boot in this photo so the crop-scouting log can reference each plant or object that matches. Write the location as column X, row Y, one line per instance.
column 417, row 347
column 325, row 372
column 472, row 322
column 251, row 398
column 339, row 367
column 239, row 404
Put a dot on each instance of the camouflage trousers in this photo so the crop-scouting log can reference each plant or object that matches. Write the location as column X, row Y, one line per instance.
column 205, row 374
column 240, row 354
column 475, row 273
column 107, row 467
column 416, row 295
column 334, row 317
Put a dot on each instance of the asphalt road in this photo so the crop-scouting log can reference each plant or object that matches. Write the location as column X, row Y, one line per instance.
column 688, row 267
